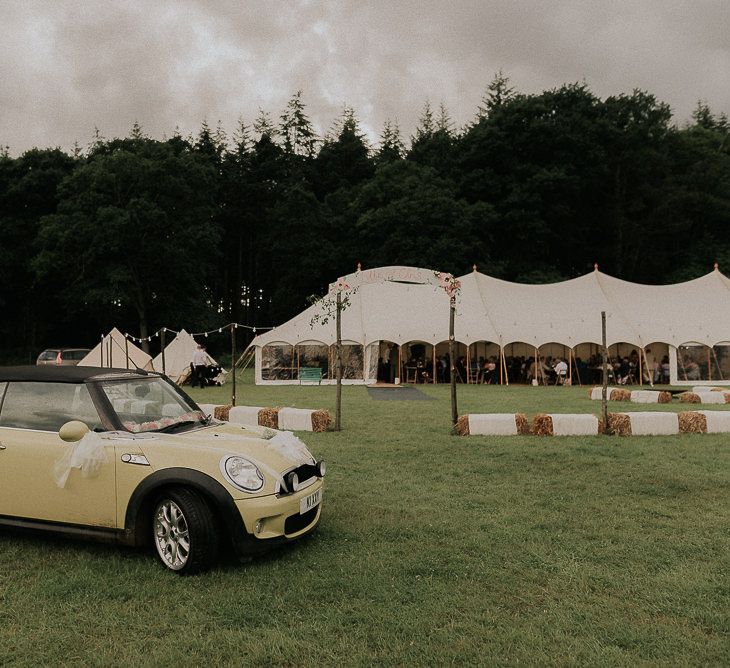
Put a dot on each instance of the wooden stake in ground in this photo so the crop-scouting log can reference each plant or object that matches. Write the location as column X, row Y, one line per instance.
column 452, row 363
column 233, row 364
column 604, row 392
column 338, row 364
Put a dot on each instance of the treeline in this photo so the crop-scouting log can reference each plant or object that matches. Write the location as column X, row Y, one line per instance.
column 198, row 231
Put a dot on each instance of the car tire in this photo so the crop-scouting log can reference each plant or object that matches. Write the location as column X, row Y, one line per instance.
column 184, row 531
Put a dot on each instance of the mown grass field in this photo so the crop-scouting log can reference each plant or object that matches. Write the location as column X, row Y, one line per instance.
column 433, row 549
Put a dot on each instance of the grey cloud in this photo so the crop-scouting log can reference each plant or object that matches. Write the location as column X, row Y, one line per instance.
column 67, row 67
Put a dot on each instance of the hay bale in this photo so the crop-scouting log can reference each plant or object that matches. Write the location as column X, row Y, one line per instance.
column 269, row 417
column 493, row 424
column 712, row 398
column 222, row 412
column 620, row 395
column 523, row 426
column 718, row 422
column 462, row 426
column 692, row 422
column 244, row 415
column 321, row 420
column 665, row 397
column 690, row 398
column 542, row 425
column 727, row 397
column 581, row 424
column 597, row 393
column 619, row 424
column 295, row 419
column 653, row 423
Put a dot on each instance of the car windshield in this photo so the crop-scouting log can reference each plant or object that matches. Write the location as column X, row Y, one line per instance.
column 150, row 404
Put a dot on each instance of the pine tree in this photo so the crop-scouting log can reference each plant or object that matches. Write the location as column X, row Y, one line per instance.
column 296, row 128
column 498, row 93
column 263, row 126
column 392, row 147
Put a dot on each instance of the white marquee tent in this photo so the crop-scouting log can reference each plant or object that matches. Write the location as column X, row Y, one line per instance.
column 115, row 351
column 395, row 304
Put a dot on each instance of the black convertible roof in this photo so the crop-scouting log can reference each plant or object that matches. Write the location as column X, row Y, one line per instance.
column 50, row 373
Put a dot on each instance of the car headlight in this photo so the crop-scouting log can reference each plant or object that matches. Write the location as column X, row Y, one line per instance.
column 242, row 474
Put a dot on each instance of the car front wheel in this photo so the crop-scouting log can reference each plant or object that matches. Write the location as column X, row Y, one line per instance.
column 184, row 532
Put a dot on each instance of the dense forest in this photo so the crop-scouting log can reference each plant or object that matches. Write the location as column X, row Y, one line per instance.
column 203, row 230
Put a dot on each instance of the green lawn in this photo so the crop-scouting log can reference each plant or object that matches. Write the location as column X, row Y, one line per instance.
column 433, row 549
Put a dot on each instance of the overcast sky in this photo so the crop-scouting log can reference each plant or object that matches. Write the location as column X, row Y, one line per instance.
column 68, row 66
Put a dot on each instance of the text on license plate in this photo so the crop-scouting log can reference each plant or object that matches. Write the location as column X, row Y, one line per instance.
column 310, row 501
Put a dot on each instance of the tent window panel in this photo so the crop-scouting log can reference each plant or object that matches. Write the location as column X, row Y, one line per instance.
column 352, row 361
column 276, row 362
column 372, row 358
column 314, row 356
column 696, row 362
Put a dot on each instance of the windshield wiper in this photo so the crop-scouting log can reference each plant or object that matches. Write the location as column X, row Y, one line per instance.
column 171, row 427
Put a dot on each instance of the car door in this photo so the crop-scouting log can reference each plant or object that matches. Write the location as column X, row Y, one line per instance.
column 33, row 458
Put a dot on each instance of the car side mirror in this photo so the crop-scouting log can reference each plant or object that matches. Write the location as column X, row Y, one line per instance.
column 73, row 431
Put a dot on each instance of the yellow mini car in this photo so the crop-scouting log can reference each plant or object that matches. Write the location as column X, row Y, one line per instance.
column 127, row 457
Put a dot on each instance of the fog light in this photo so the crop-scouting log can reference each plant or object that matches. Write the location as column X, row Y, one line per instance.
column 321, row 468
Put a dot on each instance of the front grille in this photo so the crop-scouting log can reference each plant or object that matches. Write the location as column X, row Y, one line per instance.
column 304, row 472
column 298, row 522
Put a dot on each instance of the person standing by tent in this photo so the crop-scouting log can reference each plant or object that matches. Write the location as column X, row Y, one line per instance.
column 200, row 366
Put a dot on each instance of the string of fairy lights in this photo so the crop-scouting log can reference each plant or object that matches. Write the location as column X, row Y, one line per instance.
column 231, row 326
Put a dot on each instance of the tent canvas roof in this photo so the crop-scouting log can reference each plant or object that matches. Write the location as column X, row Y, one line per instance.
column 490, row 309
column 112, row 351
column 178, row 355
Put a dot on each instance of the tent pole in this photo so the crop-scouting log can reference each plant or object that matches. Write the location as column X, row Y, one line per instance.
column 506, row 373
column 433, row 363
column 577, row 371
column 101, row 350
column 570, row 365
column 126, row 354
column 162, row 343
column 399, row 363
column 641, row 370
column 501, row 362
column 296, row 348
column 293, row 352
column 649, row 370
column 109, row 353
column 468, row 366
column 719, row 370
column 709, row 365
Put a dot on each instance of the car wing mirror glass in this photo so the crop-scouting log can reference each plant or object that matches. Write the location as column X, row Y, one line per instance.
column 73, row 431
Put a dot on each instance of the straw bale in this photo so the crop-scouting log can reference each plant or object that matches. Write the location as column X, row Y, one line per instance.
column 620, row 395
column 692, row 422
column 690, row 398
column 492, row 424
column 269, row 417
column 727, row 397
column 619, row 424
column 462, row 426
column 542, row 425
column 718, row 422
column 222, row 412
column 321, row 420
column 665, row 397
column 572, row 424
column 597, row 393
column 712, row 398
column 653, row 423
column 523, row 426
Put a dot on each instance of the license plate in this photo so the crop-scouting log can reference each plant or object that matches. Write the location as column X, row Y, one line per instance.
column 309, row 502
